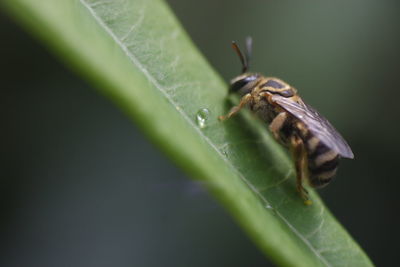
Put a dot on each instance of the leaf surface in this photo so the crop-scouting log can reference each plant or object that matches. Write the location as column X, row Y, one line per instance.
column 136, row 53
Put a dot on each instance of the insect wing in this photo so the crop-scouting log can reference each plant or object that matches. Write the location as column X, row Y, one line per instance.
column 317, row 124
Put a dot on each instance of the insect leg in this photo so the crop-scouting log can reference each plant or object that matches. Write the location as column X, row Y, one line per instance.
column 277, row 123
column 245, row 99
column 300, row 158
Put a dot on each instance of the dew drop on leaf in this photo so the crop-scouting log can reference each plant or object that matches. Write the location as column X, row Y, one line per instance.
column 269, row 207
column 202, row 117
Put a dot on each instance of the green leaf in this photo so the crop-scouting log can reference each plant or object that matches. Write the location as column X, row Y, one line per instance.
column 136, row 52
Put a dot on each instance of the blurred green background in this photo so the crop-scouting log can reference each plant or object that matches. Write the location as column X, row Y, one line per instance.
column 76, row 173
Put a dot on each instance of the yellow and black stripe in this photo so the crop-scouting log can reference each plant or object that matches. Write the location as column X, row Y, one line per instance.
column 322, row 161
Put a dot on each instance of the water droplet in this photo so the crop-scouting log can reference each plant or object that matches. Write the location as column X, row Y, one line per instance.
column 202, row 117
column 269, row 207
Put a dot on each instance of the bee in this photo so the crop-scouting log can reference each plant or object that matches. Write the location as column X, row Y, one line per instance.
column 315, row 145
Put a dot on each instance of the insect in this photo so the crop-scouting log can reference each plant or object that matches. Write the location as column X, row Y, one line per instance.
column 315, row 145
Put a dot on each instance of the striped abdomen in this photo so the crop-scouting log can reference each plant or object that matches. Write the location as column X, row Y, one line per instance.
column 322, row 162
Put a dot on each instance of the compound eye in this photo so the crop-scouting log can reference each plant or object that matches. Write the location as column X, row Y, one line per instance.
column 238, row 85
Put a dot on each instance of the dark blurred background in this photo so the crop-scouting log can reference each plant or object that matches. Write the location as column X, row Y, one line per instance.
column 79, row 186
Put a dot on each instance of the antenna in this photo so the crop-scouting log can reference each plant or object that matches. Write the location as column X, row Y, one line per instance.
column 249, row 50
column 243, row 59
column 246, row 58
